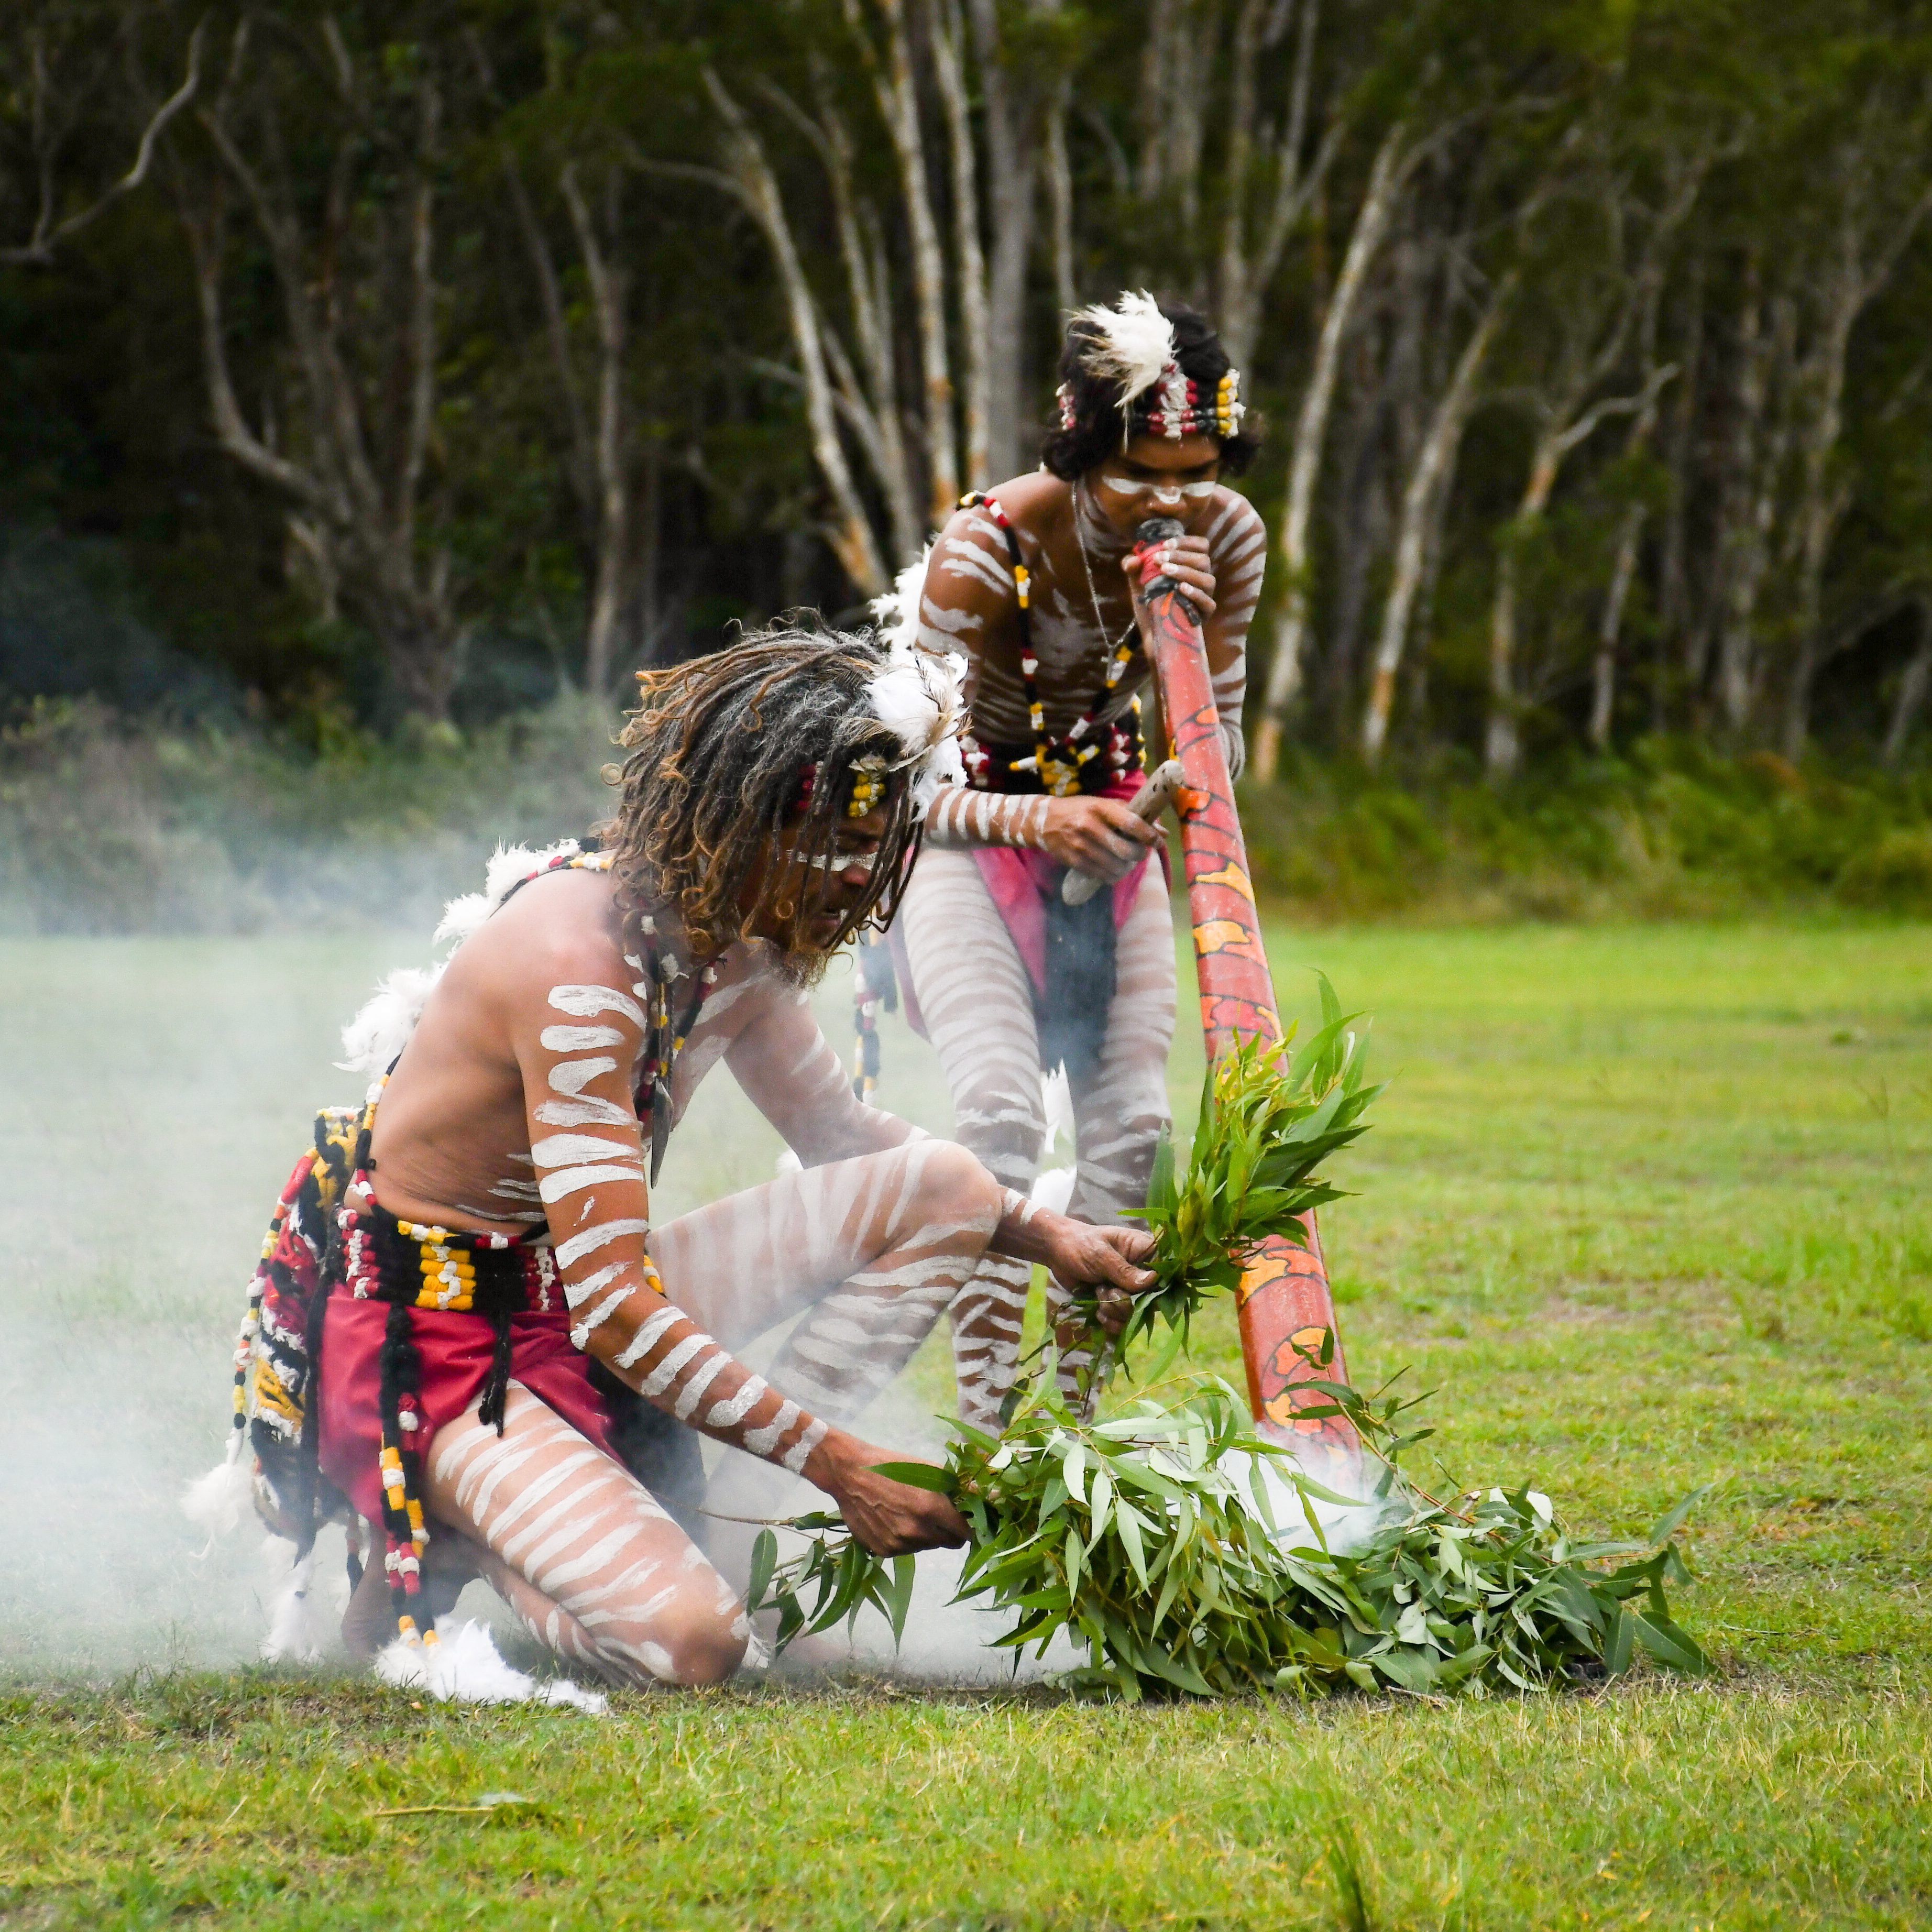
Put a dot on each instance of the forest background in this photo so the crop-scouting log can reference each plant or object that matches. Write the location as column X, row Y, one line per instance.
column 380, row 386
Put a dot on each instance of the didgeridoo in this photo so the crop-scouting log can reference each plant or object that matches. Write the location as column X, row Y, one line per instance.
column 1287, row 1314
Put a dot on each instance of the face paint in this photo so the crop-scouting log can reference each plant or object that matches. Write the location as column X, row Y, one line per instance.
column 1169, row 493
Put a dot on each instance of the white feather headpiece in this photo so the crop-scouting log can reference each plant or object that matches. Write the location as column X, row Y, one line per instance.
column 919, row 697
column 1131, row 344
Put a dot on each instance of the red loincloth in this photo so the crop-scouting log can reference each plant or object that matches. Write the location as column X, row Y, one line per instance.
column 457, row 1349
column 1017, row 881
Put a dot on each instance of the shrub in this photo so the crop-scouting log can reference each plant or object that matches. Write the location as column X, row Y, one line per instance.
column 1893, row 875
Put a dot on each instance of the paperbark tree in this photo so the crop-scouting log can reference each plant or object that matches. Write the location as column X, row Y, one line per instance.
column 748, row 175
column 1428, row 479
column 67, row 62
column 1268, row 181
column 1592, row 321
column 353, row 253
column 1370, row 227
column 1915, row 681
column 1872, row 231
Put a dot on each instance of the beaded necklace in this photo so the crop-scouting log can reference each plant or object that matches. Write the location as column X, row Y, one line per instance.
column 665, row 1029
column 1060, row 764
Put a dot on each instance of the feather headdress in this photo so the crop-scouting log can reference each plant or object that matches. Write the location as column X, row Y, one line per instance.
column 1129, row 343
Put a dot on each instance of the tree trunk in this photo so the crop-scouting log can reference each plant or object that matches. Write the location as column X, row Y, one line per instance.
column 358, row 485
column 1012, row 156
column 1311, row 431
column 1759, row 471
column 1502, row 733
column 898, row 93
column 748, row 175
column 1851, row 285
column 949, row 62
column 605, row 644
column 1913, row 683
column 1427, row 480
column 1604, row 665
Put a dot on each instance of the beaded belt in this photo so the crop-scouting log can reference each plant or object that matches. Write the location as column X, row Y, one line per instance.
column 410, row 1265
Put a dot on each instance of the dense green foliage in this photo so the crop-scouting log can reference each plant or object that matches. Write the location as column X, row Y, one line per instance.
column 1269, row 1117
column 1184, row 1552
column 107, row 825
column 553, row 337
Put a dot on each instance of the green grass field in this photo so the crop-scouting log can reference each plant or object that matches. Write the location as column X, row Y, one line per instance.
column 1649, row 1204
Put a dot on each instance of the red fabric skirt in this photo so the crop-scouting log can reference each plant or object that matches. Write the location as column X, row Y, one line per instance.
column 457, row 1350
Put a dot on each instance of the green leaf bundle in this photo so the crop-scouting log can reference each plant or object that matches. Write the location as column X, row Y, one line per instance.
column 1269, row 1118
column 1165, row 1542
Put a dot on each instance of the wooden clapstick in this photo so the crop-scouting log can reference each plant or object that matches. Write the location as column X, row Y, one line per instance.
column 1287, row 1314
column 1077, row 888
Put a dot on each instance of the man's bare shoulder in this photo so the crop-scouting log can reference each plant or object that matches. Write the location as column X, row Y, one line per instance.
column 1039, row 502
column 1232, row 523
column 561, row 929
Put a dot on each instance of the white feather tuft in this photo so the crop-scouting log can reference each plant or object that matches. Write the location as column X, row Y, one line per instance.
column 301, row 1623
column 380, row 1031
column 919, row 698
column 1133, row 344
column 1054, row 1189
column 371, row 1041
column 217, row 1502
column 896, row 613
column 463, row 1667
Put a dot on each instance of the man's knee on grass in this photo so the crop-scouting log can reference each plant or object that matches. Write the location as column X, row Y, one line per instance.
column 691, row 1634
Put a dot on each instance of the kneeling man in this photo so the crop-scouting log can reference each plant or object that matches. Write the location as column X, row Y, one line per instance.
column 493, row 1279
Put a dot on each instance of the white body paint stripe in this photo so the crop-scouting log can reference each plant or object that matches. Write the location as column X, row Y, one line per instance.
column 580, row 1039
column 588, row 1242
column 576, row 1150
column 586, row 1110
column 555, row 1186
column 581, row 1333
column 571, row 1077
column 585, row 1002
column 645, row 1340
column 661, row 1377
column 582, row 1291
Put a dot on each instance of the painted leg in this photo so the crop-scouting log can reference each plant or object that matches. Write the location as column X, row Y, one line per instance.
column 977, row 1002
column 1118, row 1113
column 586, row 1558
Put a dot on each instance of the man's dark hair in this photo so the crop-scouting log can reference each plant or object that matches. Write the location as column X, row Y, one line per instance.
column 718, row 750
column 1099, row 427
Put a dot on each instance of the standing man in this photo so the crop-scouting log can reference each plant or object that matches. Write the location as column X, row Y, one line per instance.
column 1034, row 583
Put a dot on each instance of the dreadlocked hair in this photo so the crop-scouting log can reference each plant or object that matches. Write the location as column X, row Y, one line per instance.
column 1096, row 432
column 718, row 747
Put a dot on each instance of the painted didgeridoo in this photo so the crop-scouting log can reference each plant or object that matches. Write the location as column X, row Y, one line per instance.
column 1287, row 1314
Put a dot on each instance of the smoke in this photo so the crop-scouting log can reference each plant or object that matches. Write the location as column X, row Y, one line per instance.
column 161, row 1089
